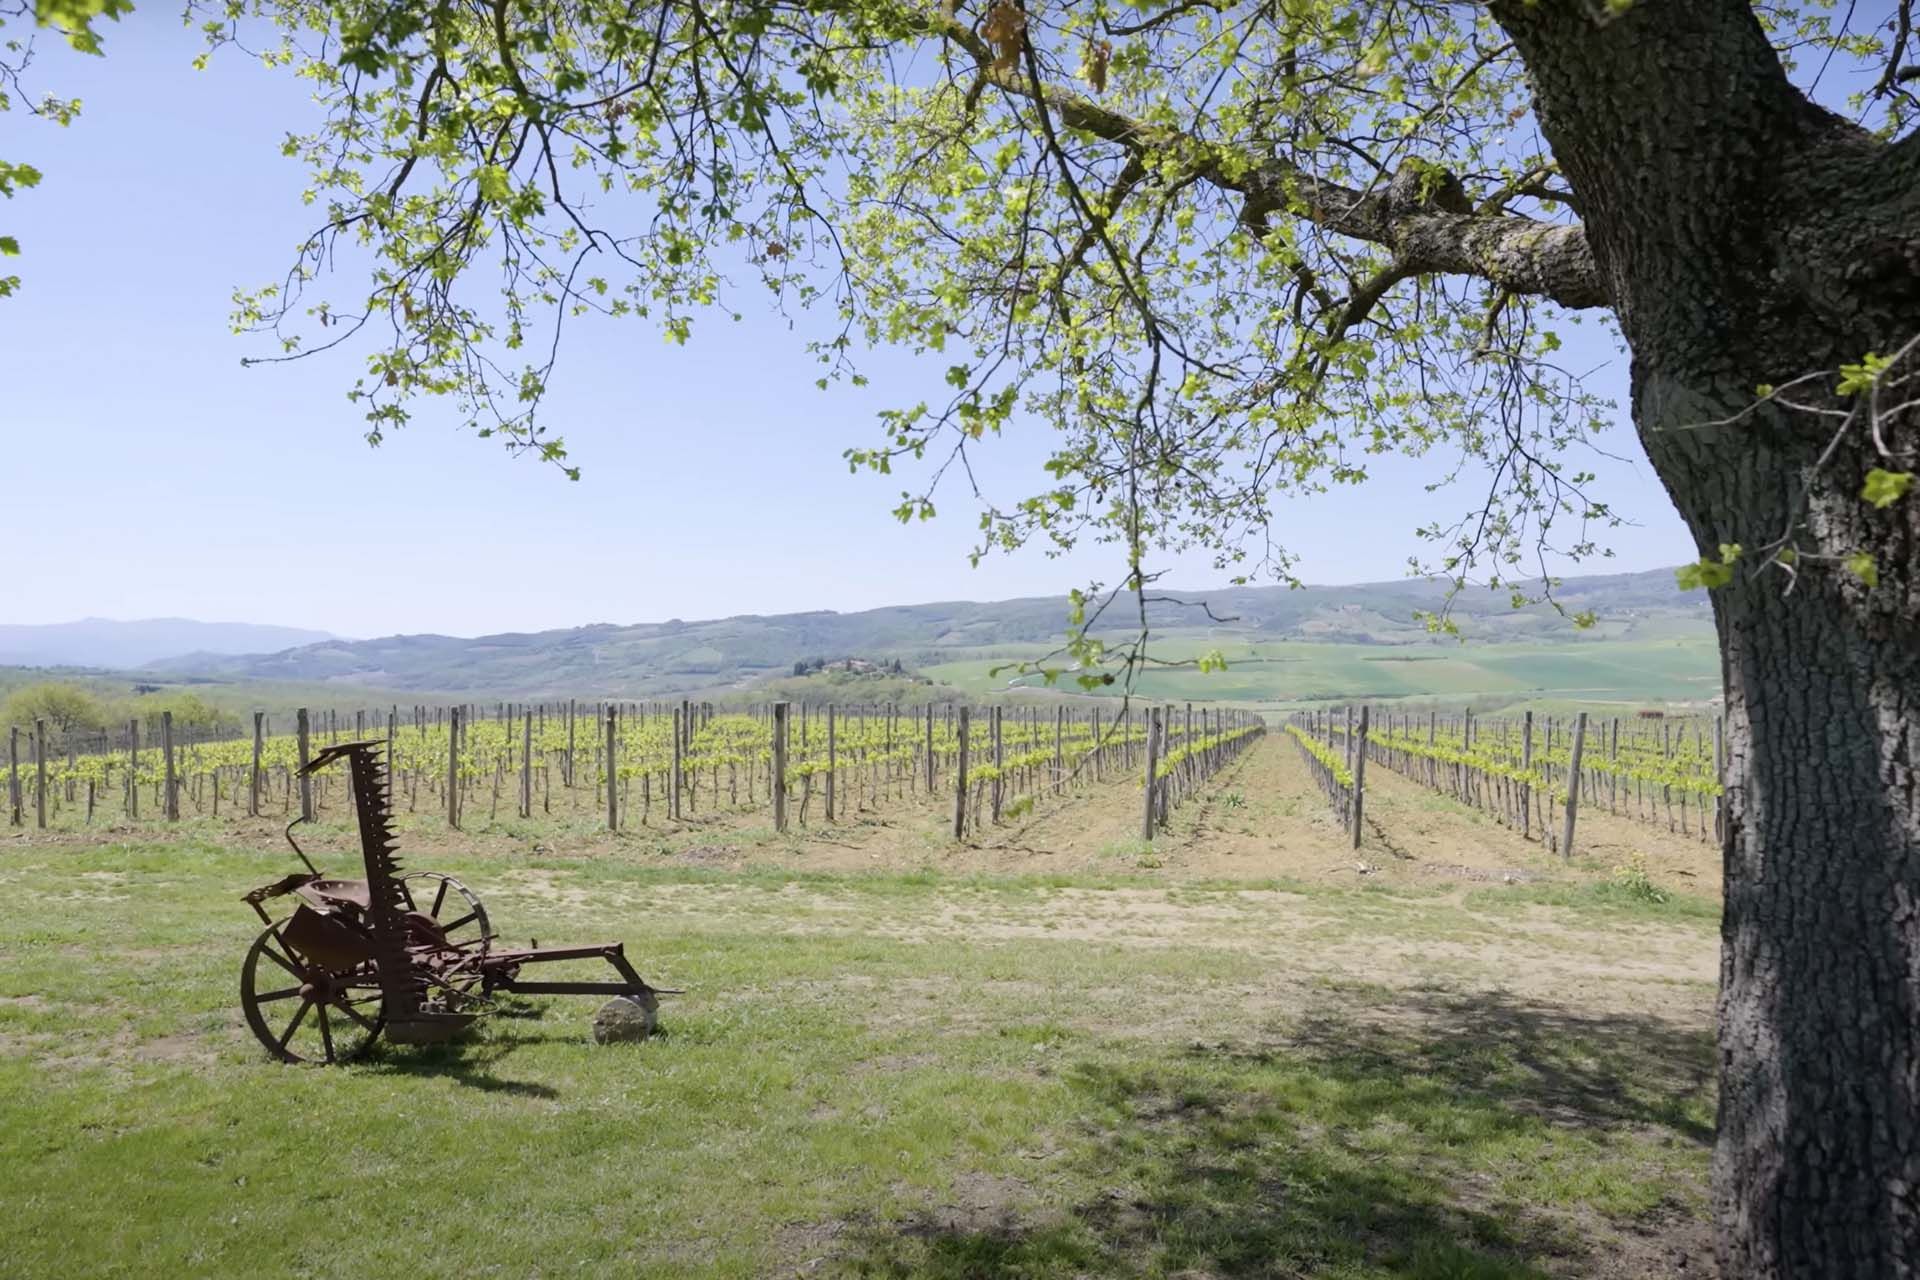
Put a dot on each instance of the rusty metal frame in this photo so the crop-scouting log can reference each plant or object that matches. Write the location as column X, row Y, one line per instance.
column 430, row 986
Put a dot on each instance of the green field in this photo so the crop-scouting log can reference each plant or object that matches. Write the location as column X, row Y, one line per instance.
column 1681, row 668
column 876, row 1074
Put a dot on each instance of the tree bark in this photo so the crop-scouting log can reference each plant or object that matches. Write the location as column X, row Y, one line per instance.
column 1747, row 236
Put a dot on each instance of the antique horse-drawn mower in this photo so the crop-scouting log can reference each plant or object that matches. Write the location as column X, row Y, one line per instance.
column 409, row 955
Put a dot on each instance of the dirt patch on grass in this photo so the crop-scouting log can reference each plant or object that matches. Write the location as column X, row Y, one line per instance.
column 1356, row 935
column 174, row 1048
column 807, row 1247
column 1674, row 1240
column 122, row 1049
column 975, row 1202
column 22, row 1044
column 543, row 885
column 1480, row 875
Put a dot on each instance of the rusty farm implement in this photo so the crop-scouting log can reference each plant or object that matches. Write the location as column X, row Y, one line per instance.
column 408, row 955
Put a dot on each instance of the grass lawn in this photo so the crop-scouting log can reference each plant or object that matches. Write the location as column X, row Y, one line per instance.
column 873, row 1074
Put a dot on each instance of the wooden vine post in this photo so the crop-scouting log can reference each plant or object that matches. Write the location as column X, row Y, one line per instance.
column 613, row 769
column 999, row 764
column 1573, row 783
column 960, row 781
column 779, row 781
column 1526, row 770
column 1719, row 777
column 832, row 763
column 453, row 767
column 1359, row 778
column 526, row 766
column 1093, row 741
column 1613, row 770
column 1433, row 768
column 1153, row 762
column 1187, row 765
column 683, row 748
column 166, row 750
column 40, row 773
column 253, row 795
column 302, row 731
column 673, row 789
column 13, row 776
column 133, row 768
column 929, row 748
column 1059, row 748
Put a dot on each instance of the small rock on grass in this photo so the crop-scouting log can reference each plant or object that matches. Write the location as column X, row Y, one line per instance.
column 626, row 1019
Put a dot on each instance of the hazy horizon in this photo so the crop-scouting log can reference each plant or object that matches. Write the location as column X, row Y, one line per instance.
column 335, row 634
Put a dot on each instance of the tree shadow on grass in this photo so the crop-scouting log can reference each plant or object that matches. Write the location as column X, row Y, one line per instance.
column 1541, row 1061
column 1429, row 1136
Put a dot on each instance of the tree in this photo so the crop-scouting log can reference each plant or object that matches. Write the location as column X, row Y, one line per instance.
column 66, row 708
column 1228, row 250
column 190, row 713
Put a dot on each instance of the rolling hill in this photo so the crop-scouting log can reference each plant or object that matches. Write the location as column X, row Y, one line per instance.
column 104, row 642
column 961, row 641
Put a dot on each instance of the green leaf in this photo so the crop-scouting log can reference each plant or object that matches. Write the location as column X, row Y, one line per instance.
column 1882, row 489
column 10, row 248
column 1861, row 565
column 1707, row 572
column 1855, row 378
column 495, row 186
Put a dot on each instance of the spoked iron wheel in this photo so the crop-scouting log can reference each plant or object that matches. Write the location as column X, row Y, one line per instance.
column 448, row 919
column 452, row 906
column 303, row 1012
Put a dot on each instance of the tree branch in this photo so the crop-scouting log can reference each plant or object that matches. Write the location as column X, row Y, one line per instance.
column 1518, row 254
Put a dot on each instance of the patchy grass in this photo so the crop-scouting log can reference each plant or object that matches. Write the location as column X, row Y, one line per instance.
column 1615, row 897
column 889, row 1074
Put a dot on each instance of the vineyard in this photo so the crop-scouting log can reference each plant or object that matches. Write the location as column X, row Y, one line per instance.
column 1160, row 925
column 1530, row 776
column 636, row 762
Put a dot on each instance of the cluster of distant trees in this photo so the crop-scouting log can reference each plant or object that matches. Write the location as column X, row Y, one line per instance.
column 72, row 710
column 859, row 666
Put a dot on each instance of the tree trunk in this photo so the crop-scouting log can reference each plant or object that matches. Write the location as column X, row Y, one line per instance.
column 1817, row 1167
column 1817, row 1164
column 1749, row 237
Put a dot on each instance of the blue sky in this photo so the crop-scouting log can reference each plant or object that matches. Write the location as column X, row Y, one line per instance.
column 146, row 473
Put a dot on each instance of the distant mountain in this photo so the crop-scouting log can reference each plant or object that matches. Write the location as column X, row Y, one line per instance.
column 103, row 642
column 674, row 656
